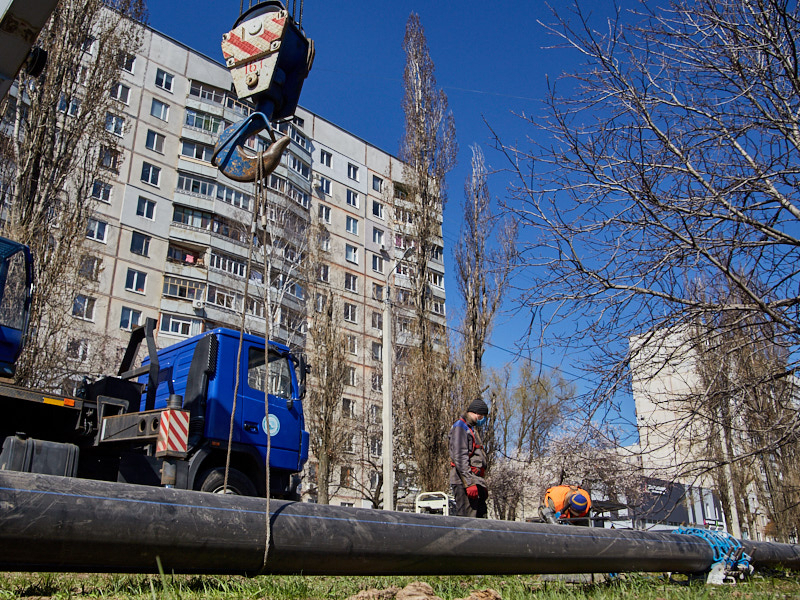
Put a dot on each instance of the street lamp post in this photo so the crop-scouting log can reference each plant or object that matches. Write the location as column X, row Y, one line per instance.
column 388, row 355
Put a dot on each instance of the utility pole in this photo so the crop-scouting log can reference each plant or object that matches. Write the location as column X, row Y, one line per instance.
column 387, row 413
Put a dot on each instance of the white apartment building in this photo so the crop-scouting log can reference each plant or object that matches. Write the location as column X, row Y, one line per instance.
column 672, row 437
column 170, row 234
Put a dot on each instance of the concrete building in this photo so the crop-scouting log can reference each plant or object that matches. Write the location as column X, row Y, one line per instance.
column 170, row 236
column 675, row 433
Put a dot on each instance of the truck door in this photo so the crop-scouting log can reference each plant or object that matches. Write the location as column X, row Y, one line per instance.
column 284, row 411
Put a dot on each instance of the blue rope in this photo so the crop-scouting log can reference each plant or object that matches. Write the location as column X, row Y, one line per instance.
column 726, row 547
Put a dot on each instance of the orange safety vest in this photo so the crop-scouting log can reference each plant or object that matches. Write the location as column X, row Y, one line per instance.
column 557, row 498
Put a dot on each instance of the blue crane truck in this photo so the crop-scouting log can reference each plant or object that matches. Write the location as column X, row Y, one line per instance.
column 167, row 422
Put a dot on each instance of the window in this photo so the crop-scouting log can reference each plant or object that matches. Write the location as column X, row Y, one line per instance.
column 350, row 312
column 90, row 268
column 352, row 225
column 377, row 183
column 325, row 242
column 204, row 121
column 178, row 325
column 129, row 318
column 83, row 307
column 436, row 253
column 96, row 230
column 299, row 139
column 184, row 256
column 377, row 209
column 325, row 186
column 183, row 288
column 155, row 141
column 377, row 386
column 375, row 446
column 207, row 93
column 351, row 253
column 352, row 343
column 101, row 191
column 377, row 263
column 351, row 282
column 377, row 236
column 377, row 351
column 325, row 213
column 346, row 478
column 299, row 122
column 78, row 350
column 71, row 106
column 88, row 44
column 126, row 61
column 229, row 264
column 164, row 80
column 348, row 408
column 140, row 243
column 151, row 174
column 324, row 273
column 233, row 197
column 109, row 159
column 352, row 380
column 196, row 185
column 437, row 306
column 115, row 124
column 437, row 279
column 377, row 320
column 120, row 92
column 377, row 291
column 197, row 150
column 352, row 171
column 159, row 109
column 325, row 157
column 352, row 198
column 135, row 280
column 299, row 166
column 145, row 208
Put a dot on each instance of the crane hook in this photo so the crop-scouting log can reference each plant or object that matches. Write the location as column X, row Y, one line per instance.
column 238, row 164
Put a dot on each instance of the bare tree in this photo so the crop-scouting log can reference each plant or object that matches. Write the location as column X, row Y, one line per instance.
column 428, row 150
column 524, row 419
column 328, row 428
column 670, row 161
column 744, row 407
column 57, row 145
column 482, row 272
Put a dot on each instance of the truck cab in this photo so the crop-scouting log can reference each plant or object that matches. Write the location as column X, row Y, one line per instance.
column 216, row 380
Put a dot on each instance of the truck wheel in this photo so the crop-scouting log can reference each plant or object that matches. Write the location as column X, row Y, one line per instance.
column 238, row 483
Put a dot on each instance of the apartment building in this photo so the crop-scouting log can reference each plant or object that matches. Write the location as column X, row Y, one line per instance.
column 170, row 236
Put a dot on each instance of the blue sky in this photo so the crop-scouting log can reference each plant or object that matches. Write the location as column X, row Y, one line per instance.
column 492, row 60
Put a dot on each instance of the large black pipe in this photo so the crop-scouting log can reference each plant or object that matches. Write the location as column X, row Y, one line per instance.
column 50, row 523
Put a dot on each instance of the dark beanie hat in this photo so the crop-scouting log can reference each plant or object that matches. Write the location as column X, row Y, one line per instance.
column 478, row 407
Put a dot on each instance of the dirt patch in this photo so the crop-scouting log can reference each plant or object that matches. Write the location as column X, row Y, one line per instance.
column 418, row 590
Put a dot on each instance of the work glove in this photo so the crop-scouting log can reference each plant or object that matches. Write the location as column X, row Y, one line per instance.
column 472, row 491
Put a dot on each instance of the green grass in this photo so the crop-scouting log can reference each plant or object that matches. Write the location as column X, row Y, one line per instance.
column 40, row 586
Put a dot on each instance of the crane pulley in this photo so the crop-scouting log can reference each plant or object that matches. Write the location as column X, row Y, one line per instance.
column 269, row 57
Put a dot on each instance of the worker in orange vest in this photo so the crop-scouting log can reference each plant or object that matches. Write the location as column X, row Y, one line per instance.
column 565, row 502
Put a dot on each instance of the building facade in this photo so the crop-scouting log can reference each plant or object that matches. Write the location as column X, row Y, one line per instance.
column 170, row 235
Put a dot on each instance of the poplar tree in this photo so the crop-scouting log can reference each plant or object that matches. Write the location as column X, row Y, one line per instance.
column 428, row 150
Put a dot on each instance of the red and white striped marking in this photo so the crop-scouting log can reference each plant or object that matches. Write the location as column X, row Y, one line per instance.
column 239, row 46
column 173, row 433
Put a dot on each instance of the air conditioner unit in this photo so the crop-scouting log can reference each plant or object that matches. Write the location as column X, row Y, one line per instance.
column 198, row 304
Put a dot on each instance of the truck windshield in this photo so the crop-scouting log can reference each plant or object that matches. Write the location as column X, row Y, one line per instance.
column 280, row 377
column 14, row 292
